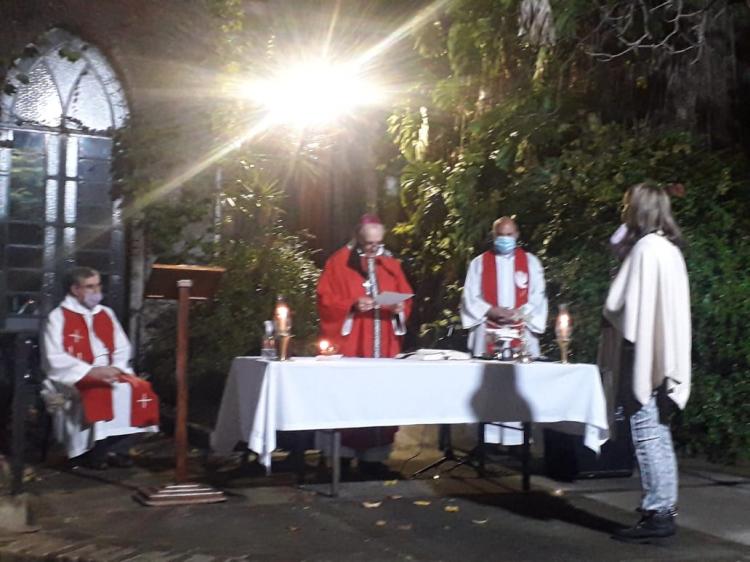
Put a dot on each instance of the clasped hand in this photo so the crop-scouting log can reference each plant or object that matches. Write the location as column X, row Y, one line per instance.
column 106, row 374
column 502, row 315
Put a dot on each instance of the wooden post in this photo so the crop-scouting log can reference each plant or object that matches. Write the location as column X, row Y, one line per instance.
column 180, row 431
column 182, row 283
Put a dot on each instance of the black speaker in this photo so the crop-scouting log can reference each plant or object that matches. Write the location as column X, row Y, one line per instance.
column 567, row 458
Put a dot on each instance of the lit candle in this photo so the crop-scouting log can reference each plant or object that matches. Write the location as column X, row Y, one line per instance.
column 563, row 329
column 563, row 326
column 326, row 347
column 282, row 317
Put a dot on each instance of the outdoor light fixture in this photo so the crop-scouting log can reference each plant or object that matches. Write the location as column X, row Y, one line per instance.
column 312, row 93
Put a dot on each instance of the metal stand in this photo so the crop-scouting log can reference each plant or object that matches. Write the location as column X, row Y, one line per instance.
column 474, row 458
column 22, row 366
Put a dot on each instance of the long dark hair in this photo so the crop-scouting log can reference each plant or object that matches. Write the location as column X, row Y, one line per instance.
column 648, row 209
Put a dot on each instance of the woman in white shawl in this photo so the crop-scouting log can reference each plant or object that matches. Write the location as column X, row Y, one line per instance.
column 649, row 306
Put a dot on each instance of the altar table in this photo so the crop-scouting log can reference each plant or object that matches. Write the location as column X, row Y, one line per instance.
column 262, row 397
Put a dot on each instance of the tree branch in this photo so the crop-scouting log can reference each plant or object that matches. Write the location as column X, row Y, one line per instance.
column 669, row 27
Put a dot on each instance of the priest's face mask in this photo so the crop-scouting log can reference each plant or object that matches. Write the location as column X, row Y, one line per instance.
column 370, row 240
column 88, row 291
column 505, row 235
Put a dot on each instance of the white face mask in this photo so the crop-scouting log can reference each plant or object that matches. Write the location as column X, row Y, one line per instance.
column 618, row 235
column 90, row 300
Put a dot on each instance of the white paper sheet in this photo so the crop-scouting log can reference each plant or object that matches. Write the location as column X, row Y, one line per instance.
column 389, row 298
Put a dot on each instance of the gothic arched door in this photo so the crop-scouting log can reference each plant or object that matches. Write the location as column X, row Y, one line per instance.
column 60, row 108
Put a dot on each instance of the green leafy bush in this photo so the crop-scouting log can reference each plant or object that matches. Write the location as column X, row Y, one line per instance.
column 568, row 205
column 261, row 261
column 508, row 128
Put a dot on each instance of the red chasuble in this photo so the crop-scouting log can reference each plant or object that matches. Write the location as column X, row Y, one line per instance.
column 340, row 285
column 96, row 395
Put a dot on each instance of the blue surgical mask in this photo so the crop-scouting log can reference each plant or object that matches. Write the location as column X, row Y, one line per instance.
column 90, row 300
column 504, row 244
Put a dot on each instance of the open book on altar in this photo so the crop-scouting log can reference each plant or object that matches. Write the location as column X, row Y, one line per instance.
column 389, row 298
column 435, row 355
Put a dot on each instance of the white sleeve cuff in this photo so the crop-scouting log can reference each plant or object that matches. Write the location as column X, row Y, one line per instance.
column 399, row 324
column 346, row 329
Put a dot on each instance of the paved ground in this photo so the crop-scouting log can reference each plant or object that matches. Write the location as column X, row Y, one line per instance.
column 85, row 515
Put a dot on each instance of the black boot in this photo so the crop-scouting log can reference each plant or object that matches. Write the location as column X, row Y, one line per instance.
column 653, row 525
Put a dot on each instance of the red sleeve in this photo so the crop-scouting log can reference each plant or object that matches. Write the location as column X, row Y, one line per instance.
column 335, row 298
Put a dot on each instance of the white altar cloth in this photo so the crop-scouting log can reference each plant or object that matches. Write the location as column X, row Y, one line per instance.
column 262, row 397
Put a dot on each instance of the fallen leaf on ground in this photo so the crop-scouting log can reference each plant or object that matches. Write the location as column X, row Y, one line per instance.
column 422, row 503
column 390, row 482
column 451, row 508
column 371, row 505
column 395, row 497
column 380, row 523
column 479, row 521
column 293, row 529
column 406, row 527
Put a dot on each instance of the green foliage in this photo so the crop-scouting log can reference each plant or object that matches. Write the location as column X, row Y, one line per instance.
column 262, row 261
column 200, row 202
column 716, row 422
column 516, row 129
column 145, row 156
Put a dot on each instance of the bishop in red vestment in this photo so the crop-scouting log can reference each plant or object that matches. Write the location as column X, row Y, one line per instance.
column 349, row 317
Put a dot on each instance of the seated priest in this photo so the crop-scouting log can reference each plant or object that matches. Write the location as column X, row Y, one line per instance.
column 350, row 318
column 504, row 287
column 99, row 404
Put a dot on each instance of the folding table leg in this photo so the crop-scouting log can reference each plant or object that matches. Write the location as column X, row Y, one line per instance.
column 481, row 449
column 526, row 457
column 336, row 459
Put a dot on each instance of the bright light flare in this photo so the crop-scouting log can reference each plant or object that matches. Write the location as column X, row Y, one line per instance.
column 313, row 93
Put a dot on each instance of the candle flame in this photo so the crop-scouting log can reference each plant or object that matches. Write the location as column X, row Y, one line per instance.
column 324, row 345
column 563, row 325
